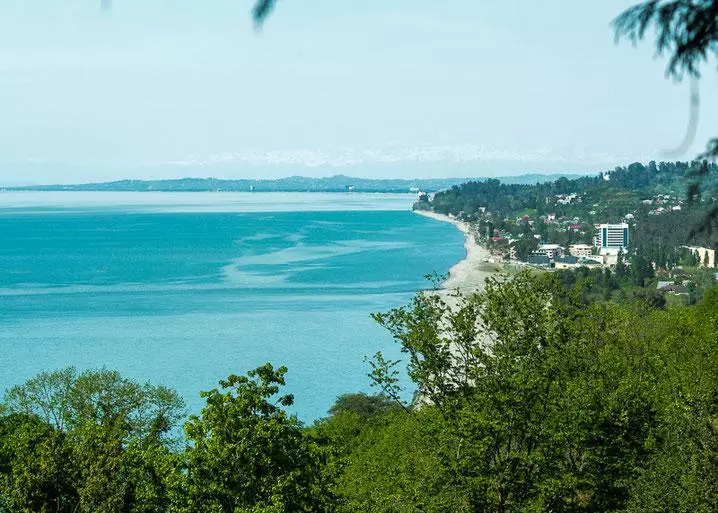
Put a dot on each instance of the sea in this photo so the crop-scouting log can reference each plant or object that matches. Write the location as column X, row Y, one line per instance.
column 184, row 289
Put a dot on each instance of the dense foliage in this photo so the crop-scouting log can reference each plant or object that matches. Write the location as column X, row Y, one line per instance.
column 531, row 398
column 606, row 197
column 653, row 199
column 635, row 279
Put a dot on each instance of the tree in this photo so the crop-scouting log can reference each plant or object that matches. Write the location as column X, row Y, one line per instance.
column 537, row 406
column 362, row 404
column 394, row 464
column 524, row 246
column 246, row 454
column 67, row 400
column 34, row 467
column 107, row 425
column 641, row 270
column 680, row 473
column 621, row 268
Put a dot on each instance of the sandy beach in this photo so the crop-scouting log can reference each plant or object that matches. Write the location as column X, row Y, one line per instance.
column 467, row 276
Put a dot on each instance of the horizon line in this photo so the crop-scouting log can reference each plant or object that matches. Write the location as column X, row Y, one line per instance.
column 316, row 178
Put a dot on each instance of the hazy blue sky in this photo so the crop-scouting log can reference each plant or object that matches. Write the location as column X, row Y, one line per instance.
column 162, row 88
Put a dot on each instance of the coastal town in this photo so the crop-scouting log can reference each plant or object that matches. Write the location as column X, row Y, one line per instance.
column 626, row 237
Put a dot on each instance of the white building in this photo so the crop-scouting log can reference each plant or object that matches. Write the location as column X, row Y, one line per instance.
column 550, row 250
column 612, row 238
column 581, row 250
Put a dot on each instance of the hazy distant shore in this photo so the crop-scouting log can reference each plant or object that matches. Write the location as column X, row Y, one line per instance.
column 469, row 274
column 335, row 183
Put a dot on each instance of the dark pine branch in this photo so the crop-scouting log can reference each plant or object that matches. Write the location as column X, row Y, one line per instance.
column 686, row 31
column 261, row 10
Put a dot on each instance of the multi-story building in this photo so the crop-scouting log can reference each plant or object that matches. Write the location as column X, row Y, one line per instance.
column 581, row 250
column 549, row 250
column 611, row 238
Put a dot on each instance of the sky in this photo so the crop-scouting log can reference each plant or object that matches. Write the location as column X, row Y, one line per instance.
column 401, row 88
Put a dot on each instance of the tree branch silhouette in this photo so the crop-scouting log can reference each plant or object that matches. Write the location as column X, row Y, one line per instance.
column 687, row 33
column 261, row 10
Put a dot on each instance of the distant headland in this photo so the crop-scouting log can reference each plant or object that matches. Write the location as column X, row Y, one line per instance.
column 337, row 183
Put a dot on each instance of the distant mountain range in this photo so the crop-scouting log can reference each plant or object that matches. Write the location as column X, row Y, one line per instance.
column 337, row 183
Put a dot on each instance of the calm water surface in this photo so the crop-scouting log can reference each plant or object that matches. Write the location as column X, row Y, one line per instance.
column 184, row 289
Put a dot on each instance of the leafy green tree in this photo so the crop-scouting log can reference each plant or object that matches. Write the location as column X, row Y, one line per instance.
column 621, row 269
column 680, row 474
column 680, row 477
column 34, row 467
column 440, row 345
column 533, row 409
column 651, row 297
column 363, row 404
column 246, row 454
column 641, row 270
column 524, row 246
column 395, row 466
column 67, row 400
column 107, row 424
column 704, row 280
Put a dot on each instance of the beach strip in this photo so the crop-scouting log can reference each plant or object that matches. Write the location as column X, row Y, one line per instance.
column 467, row 276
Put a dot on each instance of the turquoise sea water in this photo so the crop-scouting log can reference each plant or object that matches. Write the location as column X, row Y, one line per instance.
column 184, row 289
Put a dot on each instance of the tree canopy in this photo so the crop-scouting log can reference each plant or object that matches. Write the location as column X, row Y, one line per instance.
column 528, row 399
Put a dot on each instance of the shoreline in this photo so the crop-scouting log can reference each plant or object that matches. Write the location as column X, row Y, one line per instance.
column 468, row 275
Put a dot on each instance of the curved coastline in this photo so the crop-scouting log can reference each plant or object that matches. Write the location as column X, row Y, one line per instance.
column 468, row 275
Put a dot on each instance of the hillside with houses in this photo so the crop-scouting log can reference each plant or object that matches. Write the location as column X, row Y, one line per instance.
column 637, row 227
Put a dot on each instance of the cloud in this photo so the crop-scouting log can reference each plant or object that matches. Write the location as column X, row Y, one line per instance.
column 399, row 153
